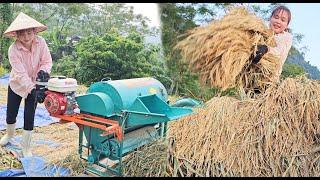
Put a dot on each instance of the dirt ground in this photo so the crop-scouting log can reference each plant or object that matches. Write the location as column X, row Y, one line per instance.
column 65, row 135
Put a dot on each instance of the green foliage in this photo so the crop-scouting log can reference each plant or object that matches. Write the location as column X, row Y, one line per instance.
column 3, row 71
column 57, row 43
column 114, row 56
column 5, row 20
column 82, row 19
column 60, row 15
column 66, row 66
column 291, row 70
column 296, row 57
column 117, row 15
column 205, row 93
column 175, row 20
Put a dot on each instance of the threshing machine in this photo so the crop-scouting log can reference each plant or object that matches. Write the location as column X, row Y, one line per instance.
column 114, row 117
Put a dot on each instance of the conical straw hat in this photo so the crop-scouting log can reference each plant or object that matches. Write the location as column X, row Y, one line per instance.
column 23, row 21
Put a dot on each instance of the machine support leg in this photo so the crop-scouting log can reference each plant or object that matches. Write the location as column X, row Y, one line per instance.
column 165, row 128
column 80, row 140
column 120, row 159
column 89, row 141
column 162, row 130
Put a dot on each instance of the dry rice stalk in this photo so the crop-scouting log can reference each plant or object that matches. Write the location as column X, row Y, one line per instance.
column 3, row 94
column 8, row 161
column 74, row 163
column 149, row 160
column 277, row 134
column 67, row 138
column 220, row 51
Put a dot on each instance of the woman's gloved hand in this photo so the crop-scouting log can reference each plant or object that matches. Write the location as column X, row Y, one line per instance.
column 42, row 77
column 261, row 50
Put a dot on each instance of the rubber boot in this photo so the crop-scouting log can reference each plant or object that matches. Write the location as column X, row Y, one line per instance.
column 10, row 133
column 26, row 142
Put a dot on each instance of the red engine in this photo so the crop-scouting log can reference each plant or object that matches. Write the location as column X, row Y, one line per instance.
column 55, row 103
column 60, row 96
column 59, row 103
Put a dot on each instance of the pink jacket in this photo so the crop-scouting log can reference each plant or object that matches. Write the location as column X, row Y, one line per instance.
column 25, row 65
column 284, row 43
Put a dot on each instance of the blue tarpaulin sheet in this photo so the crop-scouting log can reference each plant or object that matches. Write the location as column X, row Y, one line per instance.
column 36, row 166
column 4, row 80
column 14, row 145
column 42, row 117
column 13, row 173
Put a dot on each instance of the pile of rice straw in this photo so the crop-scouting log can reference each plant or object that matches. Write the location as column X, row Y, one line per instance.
column 221, row 50
column 149, row 160
column 277, row 134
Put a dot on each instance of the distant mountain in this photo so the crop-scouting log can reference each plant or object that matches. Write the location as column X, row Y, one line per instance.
column 295, row 57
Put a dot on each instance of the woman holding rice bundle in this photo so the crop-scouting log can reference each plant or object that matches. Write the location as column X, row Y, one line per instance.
column 222, row 51
column 279, row 21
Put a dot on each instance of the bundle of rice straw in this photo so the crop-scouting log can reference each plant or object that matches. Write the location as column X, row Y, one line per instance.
column 221, row 50
column 275, row 135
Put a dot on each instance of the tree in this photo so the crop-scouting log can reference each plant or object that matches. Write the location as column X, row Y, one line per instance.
column 106, row 16
column 291, row 70
column 5, row 20
column 59, row 15
column 177, row 19
column 115, row 56
column 57, row 43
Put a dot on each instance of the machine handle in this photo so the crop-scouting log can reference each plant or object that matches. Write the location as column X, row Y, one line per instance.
column 103, row 79
column 144, row 113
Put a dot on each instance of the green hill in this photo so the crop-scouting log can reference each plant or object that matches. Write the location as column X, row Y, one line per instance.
column 295, row 57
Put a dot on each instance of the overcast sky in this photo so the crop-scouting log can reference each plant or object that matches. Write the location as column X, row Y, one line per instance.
column 305, row 20
column 149, row 10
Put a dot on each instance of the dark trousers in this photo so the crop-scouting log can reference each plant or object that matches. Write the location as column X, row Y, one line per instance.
column 13, row 104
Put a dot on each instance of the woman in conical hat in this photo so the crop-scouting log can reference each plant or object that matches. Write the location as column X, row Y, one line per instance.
column 29, row 57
